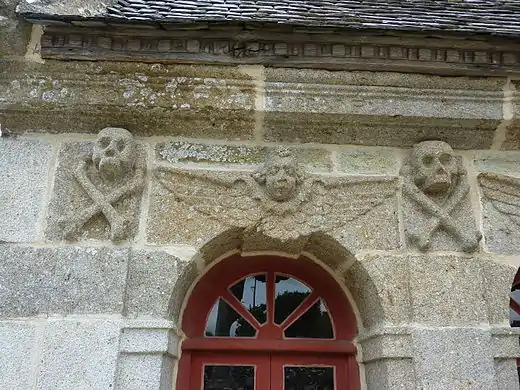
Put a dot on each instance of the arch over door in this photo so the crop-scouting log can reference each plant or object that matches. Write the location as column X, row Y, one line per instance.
column 261, row 317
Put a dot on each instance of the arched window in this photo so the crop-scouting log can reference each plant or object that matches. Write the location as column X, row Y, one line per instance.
column 268, row 323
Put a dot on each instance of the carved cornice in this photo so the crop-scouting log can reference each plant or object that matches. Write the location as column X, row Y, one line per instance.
column 334, row 50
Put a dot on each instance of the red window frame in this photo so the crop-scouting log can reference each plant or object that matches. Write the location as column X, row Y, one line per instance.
column 269, row 349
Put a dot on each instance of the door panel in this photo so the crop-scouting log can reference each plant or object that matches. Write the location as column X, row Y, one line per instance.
column 215, row 371
column 308, row 373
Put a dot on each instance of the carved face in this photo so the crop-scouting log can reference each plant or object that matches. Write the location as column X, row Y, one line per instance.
column 436, row 167
column 114, row 153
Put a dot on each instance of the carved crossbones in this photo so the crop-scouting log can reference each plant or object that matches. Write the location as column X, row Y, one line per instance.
column 103, row 203
column 440, row 216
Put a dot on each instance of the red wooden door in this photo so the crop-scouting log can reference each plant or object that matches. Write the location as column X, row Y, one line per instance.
column 268, row 323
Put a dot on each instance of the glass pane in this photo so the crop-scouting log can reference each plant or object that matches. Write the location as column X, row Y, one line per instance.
column 224, row 321
column 229, row 378
column 314, row 323
column 251, row 291
column 289, row 293
column 308, row 378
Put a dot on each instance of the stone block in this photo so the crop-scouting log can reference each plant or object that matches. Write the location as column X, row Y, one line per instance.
column 498, row 280
column 506, row 374
column 68, row 280
column 23, row 185
column 152, row 276
column 145, row 372
column 69, row 197
column 453, row 358
column 26, row 280
column 89, row 280
column 506, row 163
column 512, row 139
column 236, row 156
column 149, row 340
column 446, row 290
column 379, row 286
column 390, row 374
column 146, row 99
column 386, row 346
column 368, row 161
column 303, row 106
column 79, row 354
column 14, row 31
column 17, row 342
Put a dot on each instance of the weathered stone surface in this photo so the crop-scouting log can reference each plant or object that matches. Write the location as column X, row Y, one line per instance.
column 368, row 161
column 512, row 139
column 79, row 354
column 70, row 202
column 380, row 298
column 386, row 345
column 89, row 280
column 498, row 279
column 507, row 163
column 239, row 156
column 17, row 341
column 500, row 195
column 506, row 374
column 14, row 32
column 303, row 106
column 204, row 204
column 145, row 372
column 437, row 209
column 61, row 280
column 60, row 97
column 453, row 358
column 152, row 275
column 391, row 374
column 26, row 280
column 23, row 184
column 446, row 290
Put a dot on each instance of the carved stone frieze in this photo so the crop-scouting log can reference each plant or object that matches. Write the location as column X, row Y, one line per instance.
column 437, row 210
column 501, row 211
column 97, row 188
column 281, row 200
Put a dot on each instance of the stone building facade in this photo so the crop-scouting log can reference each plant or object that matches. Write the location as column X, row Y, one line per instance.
column 140, row 152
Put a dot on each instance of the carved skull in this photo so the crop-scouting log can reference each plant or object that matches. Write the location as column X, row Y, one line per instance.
column 114, row 153
column 280, row 175
column 435, row 167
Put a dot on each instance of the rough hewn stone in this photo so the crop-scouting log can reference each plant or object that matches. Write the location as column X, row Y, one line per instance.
column 17, row 341
column 391, row 374
column 67, row 280
column 497, row 278
column 79, row 354
column 23, row 184
column 303, row 106
column 69, row 198
column 446, row 290
column 380, row 298
column 499, row 197
column 368, row 161
column 152, row 275
column 239, row 156
column 453, row 358
column 59, row 97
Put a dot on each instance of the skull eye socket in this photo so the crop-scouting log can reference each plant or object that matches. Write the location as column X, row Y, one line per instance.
column 427, row 160
column 104, row 142
column 445, row 159
column 120, row 145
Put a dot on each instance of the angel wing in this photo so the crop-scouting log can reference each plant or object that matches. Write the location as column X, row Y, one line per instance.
column 224, row 196
column 503, row 192
column 330, row 203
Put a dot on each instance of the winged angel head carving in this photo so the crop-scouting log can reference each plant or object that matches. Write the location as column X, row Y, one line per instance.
column 280, row 200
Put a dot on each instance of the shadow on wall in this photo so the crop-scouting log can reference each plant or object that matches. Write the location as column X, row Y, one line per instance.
column 514, row 309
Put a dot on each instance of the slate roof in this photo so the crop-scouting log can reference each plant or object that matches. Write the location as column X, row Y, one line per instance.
column 497, row 17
